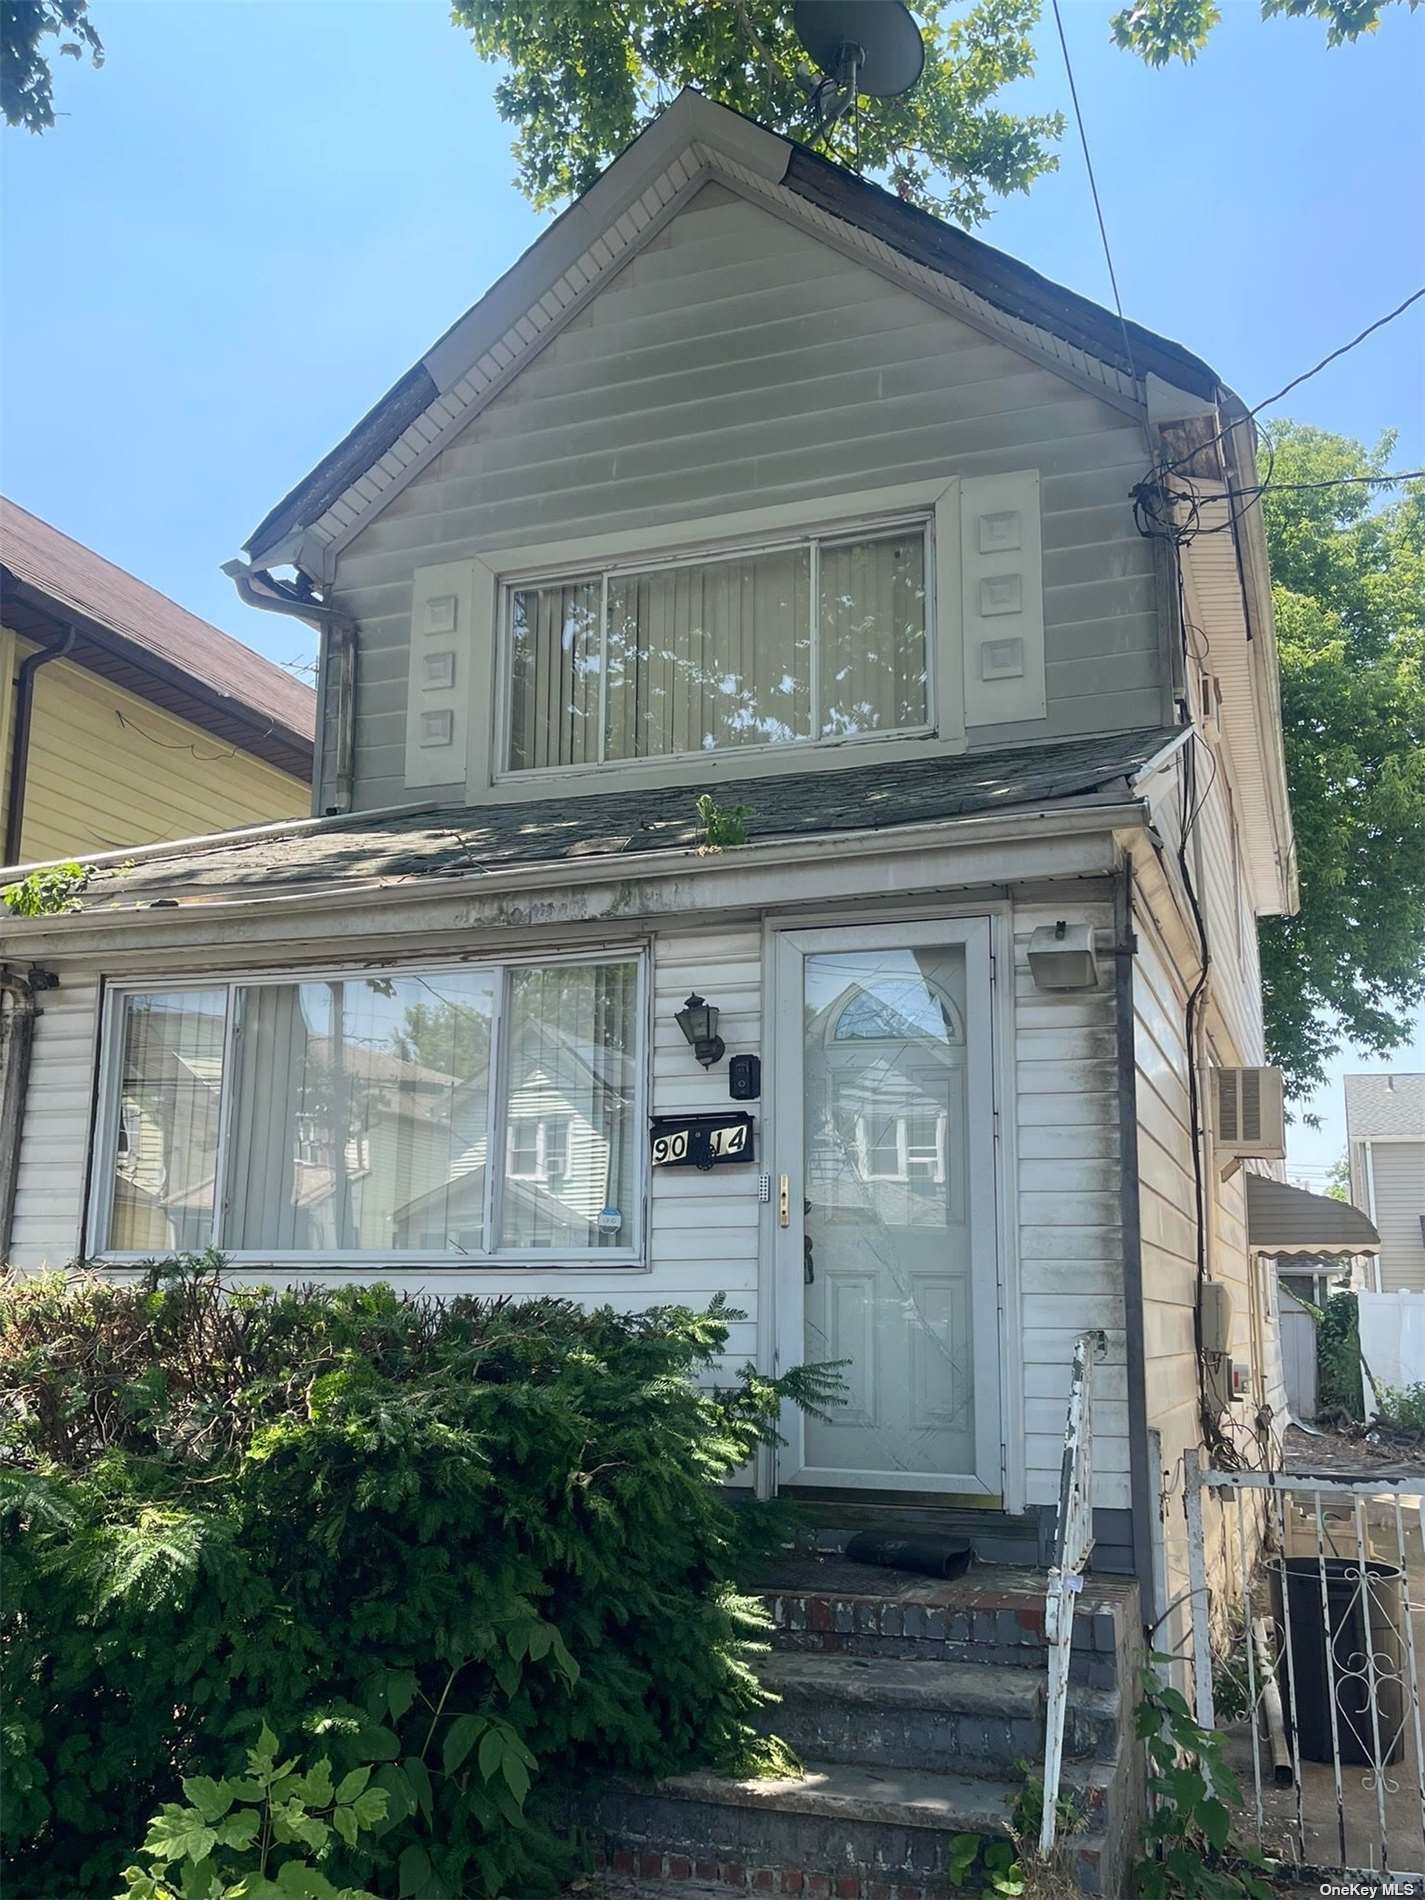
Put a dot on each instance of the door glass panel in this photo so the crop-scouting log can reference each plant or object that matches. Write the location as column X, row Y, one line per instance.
column 887, row 1234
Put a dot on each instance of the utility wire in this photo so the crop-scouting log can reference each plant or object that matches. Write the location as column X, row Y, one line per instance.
column 1093, row 187
column 1296, row 381
column 1334, row 481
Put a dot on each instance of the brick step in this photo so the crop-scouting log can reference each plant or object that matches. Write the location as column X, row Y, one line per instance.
column 995, row 1616
column 960, row 1718
column 840, row 1831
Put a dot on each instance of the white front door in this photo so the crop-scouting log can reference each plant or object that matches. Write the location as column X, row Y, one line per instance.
column 886, row 1257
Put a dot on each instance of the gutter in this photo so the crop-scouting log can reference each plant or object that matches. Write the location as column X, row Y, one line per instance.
column 20, row 753
column 1144, row 1482
column 73, row 933
column 336, row 670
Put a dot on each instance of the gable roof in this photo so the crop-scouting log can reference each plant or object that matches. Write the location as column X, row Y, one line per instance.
column 321, row 854
column 145, row 642
column 1389, row 1106
column 692, row 140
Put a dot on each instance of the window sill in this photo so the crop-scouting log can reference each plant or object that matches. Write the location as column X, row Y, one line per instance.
column 386, row 1265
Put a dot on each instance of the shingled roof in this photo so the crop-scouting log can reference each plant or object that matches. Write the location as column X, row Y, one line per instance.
column 460, row 842
column 140, row 639
column 1385, row 1105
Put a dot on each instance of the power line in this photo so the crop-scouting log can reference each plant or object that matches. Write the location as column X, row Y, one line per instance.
column 1093, row 187
column 1334, row 481
column 1296, row 381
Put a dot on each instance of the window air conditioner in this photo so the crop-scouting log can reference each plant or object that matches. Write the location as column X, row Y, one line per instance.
column 1248, row 1117
column 1209, row 699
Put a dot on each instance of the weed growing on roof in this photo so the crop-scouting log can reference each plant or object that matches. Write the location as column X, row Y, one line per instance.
column 721, row 828
column 48, row 892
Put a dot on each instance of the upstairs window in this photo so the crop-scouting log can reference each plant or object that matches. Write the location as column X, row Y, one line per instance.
column 817, row 638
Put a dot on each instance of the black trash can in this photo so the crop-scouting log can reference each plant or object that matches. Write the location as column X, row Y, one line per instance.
column 1346, row 1611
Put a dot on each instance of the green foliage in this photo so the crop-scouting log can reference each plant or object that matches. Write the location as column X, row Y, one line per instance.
column 1338, row 1179
column 26, row 82
column 1400, row 1412
column 232, row 1838
column 721, row 828
column 1349, row 588
column 477, row 1543
column 1338, row 1357
column 583, row 81
column 1162, row 30
column 47, row 892
column 1188, row 1835
column 985, row 1863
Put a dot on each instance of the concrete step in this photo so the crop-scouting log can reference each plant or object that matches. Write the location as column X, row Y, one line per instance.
column 840, row 1831
column 889, row 1713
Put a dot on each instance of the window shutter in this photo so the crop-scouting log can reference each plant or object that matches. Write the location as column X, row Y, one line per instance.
column 438, row 680
column 1002, row 582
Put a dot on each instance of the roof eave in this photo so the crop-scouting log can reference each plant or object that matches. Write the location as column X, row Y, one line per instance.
column 296, row 750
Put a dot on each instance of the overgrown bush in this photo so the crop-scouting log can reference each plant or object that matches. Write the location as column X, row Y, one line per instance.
column 1400, row 1413
column 1338, row 1358
column 478, row 1543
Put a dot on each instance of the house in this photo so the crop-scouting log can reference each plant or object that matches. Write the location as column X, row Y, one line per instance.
column 124, row 719
column 750, row 480
column 1385, row 1147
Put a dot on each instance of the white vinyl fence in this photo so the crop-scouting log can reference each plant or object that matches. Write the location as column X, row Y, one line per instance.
column 1392, row 1340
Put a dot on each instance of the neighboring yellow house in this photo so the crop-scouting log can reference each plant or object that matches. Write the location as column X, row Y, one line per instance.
column 124, row 719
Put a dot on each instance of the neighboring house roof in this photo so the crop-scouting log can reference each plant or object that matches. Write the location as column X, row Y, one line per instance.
column 141, row 640
column 1385, row 1106
column 693, row 139
column 1290, row 1220
column 449, row 842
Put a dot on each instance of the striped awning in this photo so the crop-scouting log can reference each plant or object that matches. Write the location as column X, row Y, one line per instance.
column 1291, row 1220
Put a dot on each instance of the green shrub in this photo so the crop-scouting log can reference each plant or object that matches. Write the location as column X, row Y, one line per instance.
column 1338, row 1357
column 263, row 1827
column 1400, row 1411
column 478, row 1542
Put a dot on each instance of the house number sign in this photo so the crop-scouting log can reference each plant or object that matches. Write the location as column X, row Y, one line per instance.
column 700, row 1141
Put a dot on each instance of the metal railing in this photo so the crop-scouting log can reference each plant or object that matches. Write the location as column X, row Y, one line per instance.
column 1073, row 1544
column 1306, row 1595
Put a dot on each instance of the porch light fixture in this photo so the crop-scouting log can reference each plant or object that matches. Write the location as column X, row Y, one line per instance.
column 1062, row 957
column 698, row 1021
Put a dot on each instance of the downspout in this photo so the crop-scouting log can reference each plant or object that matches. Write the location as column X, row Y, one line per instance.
column 1144, row 1481
column 20, row 751
column 18, row 1010
column 336, row 673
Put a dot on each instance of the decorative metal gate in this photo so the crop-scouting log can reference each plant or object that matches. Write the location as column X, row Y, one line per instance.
column 1308, row 1594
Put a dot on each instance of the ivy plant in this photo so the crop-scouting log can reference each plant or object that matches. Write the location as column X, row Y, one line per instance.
column 255, row 1837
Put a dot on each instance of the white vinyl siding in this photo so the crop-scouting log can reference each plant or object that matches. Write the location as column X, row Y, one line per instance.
column 1398, row 1181
column 1070, row 1230
column 737, row 362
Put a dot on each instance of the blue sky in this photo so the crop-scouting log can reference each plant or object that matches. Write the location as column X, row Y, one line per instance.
column 260, row 212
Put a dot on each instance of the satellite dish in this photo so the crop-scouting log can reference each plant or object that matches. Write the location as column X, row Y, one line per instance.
column 870, row 46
